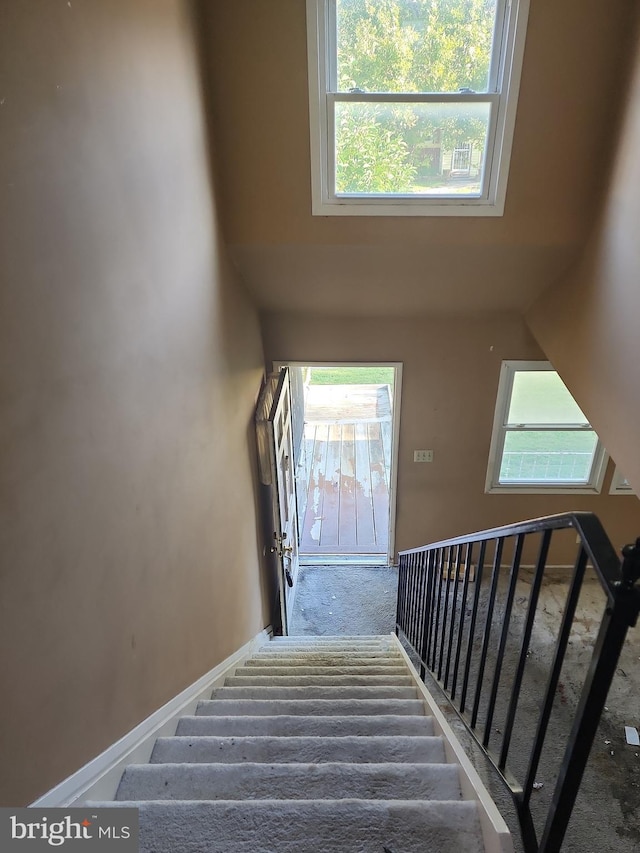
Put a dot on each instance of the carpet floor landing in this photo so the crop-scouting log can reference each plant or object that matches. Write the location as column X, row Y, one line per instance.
column 314, row 745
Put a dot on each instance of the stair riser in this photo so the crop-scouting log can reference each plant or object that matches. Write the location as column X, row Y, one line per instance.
column 287, row 726
column 310, row 693
column 320, row 669
column 291, row 782
column 346, row 649
column 311, row 750
column 361, row 651
column 330, row 642
column 328, row 664
column 310, row 707
column 331, row 660
column 318, row 680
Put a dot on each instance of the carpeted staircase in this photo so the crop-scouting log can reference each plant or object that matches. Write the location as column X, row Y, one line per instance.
column 315, row 745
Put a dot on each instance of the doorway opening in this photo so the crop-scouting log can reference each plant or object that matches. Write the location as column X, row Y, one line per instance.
column 345, row 426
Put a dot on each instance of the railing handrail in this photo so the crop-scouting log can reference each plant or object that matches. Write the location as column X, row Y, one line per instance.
column 595, row 540
column 433, row 598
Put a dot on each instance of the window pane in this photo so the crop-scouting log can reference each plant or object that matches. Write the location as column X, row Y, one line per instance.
column 414, row 45
column 413, row 149
column 543, row 456
column 541, row 397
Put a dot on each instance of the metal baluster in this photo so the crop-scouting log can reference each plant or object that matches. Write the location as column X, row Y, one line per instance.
column 524, row 647
column 487, row 630
column 463, row 607
column 445, row 610
column 399, row 600
column 422, row 600
column 437, row 571
column 515, row 567
column 456, row 584
column 431, row 580
column 554, row 677
column 422, row 648
column 472, row 626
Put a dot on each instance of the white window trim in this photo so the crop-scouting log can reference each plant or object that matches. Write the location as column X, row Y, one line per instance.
column 492, row 486
column 620, row 485
column 321, row 60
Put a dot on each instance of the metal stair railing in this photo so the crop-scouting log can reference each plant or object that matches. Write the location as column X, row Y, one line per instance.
column 451, row 634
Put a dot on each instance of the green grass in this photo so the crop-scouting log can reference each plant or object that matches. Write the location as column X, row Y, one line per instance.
column 550, row 456
column 351, row 376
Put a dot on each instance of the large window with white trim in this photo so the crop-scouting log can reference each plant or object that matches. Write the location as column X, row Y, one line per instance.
column 542, row 441
column 412, row 104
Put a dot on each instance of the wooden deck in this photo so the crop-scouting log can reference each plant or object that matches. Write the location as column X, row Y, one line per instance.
column 347, row 453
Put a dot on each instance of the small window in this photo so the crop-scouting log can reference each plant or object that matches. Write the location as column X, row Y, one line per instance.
column 412, row 104
column 542, row 441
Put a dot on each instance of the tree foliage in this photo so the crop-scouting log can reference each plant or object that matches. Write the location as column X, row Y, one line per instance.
column 373, row 158
column 407, row 46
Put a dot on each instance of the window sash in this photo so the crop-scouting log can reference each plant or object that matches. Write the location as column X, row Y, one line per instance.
column 583, row 482
column 489, row 173
column 501, row 428
column 501, row 31
column 564, row 426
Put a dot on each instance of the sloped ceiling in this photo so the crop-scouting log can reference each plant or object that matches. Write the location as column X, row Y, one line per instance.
column 573, row 76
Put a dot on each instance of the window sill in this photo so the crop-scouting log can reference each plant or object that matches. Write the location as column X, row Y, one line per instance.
column 530, row 489
column 408, row 207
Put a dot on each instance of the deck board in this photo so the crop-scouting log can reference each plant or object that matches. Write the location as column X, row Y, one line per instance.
column 316, row 444
column 329, row 483
column 347, row 505
column 366, row 534
column 347, row 512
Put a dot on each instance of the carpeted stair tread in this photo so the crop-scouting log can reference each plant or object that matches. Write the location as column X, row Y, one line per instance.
column 332, row 641
column 381, row 665
column 249, row 669
column 252, row 691
column 317, row 826
column 294, row 652
column 387, row 781
column 332, row 648
column 295, row 680
column 327, row 648
column 368, row 749
column 292, row 726
column 309, row 707
column 326, row 651
column 365, row 638
column 313, row 745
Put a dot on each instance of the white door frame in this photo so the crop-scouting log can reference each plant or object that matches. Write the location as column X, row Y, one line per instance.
column 395, row 431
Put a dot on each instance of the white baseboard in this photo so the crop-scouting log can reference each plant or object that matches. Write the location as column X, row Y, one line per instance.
column 99, row 779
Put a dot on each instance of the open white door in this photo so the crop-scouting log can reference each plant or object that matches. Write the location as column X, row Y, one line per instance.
column 275, row 443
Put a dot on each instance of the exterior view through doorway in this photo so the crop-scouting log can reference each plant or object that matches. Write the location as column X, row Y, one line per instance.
column 345, row 426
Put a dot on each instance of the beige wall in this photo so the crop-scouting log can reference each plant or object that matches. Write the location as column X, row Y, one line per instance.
column 450, row 378
column 293, row 261
column 589, row 324
column 129, row 363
